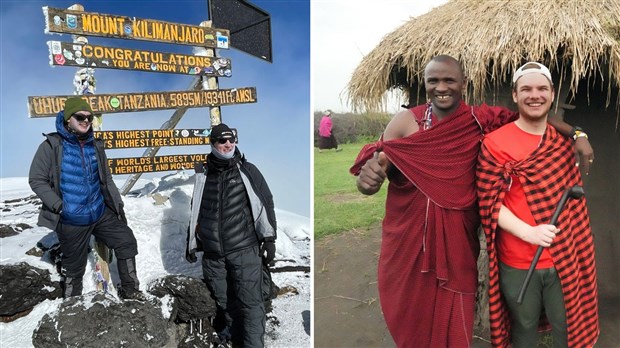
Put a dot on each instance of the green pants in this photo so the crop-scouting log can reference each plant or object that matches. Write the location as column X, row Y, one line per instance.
column 544, row 291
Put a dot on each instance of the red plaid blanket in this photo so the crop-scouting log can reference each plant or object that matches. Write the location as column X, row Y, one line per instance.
column 545, row 175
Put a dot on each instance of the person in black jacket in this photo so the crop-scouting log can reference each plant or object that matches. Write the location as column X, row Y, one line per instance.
column 233, row 221
column 70, row 174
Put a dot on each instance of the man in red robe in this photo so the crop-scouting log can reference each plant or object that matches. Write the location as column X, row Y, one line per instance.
column 429, row 155
column 523, row 169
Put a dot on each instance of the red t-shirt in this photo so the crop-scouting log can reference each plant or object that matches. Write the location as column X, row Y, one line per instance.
column 510, row 143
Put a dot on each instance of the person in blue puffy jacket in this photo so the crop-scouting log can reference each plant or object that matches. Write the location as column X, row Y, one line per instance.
column 70, row 174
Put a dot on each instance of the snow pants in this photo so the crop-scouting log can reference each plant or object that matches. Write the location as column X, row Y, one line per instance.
column 74, row 241
column 235, row 283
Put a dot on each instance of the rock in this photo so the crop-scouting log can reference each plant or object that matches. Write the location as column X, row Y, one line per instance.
column 22, row 226
column 10, row 318
column 198, row 334
column 7, row 231
column 34, row 251
column 159, row 198
column 288, row 289
column 23, row 286
column 98, row 319
column 192, row 299
column 197, row 341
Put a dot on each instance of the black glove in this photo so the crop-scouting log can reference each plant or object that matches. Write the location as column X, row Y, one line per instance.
column 190, row 257
column 268, row 251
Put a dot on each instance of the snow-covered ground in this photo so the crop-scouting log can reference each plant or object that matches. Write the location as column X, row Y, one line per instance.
column 161, row 233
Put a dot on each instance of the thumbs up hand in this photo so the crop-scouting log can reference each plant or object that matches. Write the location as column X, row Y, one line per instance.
column 381, row 160
column 373, row 174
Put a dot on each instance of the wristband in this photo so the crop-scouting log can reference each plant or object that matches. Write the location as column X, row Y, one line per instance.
column 574, row 131
column 580, row 134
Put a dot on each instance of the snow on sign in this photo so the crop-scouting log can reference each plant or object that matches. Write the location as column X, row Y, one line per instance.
column 91, row 56
column 132, row 165
column 48, row 106
column 105, row 25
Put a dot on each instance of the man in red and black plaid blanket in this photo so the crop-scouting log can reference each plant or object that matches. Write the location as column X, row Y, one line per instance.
column 523, row 169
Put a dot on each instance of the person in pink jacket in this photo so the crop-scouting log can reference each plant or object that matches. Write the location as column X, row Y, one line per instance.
column 326, row 136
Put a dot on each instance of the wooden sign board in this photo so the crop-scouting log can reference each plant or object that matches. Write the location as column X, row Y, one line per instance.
column 124, row 139
column 133, row 165
column 96, row 24
column 48, row 106
column 92, row 56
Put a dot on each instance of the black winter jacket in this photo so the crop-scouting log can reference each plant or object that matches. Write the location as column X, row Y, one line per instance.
column 232, row 208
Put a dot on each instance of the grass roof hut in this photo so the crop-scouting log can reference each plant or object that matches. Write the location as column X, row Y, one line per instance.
column 578, row 40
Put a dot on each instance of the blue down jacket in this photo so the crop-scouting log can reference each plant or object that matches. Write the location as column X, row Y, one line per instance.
column 72, row 178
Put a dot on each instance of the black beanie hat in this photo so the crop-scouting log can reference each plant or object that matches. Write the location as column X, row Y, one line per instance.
column 75, row 104
column 221, row 131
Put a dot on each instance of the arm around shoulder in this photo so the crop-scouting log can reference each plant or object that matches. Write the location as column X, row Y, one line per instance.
column 582, row 144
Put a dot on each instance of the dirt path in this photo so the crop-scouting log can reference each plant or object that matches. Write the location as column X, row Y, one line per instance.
column 346, row 306
column 346, row 300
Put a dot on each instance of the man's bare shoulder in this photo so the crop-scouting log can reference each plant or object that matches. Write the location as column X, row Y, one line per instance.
column 402, row 125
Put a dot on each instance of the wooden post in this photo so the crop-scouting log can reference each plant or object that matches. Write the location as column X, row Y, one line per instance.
column 209, row 83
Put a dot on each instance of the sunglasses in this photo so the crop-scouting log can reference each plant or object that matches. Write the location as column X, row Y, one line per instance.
column 225, row 140
column 82, row 118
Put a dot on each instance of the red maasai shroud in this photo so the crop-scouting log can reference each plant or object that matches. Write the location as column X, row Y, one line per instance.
column 427, row 274
column 545, row 175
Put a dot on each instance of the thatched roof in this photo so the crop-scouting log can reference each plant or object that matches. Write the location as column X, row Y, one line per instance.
column 575, row 38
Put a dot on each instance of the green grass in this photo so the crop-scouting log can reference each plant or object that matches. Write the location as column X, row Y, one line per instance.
column 338, row 206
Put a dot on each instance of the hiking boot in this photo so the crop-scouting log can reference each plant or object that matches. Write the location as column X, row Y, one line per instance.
column 222, row 339
column 129, row 288
column 71, row 286
column 218, row 344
